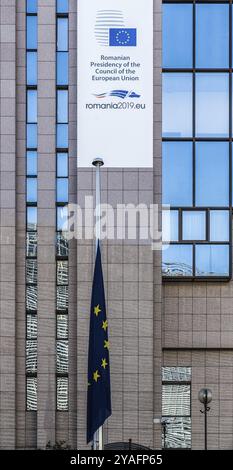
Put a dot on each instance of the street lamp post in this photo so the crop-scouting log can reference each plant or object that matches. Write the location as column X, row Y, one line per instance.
column 205, row 397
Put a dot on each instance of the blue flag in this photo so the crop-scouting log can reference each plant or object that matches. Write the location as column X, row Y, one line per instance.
column 99, row 390
column 123, row 37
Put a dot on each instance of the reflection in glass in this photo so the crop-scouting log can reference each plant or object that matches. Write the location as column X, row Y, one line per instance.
column 194, row 225
column 62, row 326
column 62, row 136
column 31, row 356
column 219, row 226
column 31, row 163
column 62, row 68
column 62, row 298
column 62, row 245
column 212, row 36
column 31, row 32
column 62, row 6
column 176, row 374
column 62, row 218
column 31, row 218
column 212, row 260
column 32, row 136
column 175, row 400
column 177, row 36
column 31, row 394
column 177, row 260
column 212, row 105
column 212, row 174
column 62, row 357
column 62, row 34
column 62, row 393
column 62, row 165
column 31, row 244
column 170, row 226
column 62, row 189
column 31, row 106
column 177, row 433
column 31, row 326
column 31, row 298
column 62, row 272
column 31, row 189
column 177, row 173
column 31, row 271
column 177, row 105
column 31, row 68
column 31, row 6
column 62, row 106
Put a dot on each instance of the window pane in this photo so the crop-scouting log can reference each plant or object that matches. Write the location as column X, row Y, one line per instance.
column 31, row 271
column 62, row 68
column 31, row 218
column 176, row 374
column 177, row 105
column 62, row 136
column 62, row 219
column 170, row 226
column 32, row 136
column 219, row 226
column 31, row 394
column 31, row 32
column 31, row 298
column 212, row 105
column 62, row 106
column 212, row 260
column 62, row 245
column 31, row 163
column 31, row 189
column 194, row 225
column 62, row 357
column 62, row 326
column 176, row 400
column 31, row 326
column 62, row 393
column 31, row 68
column 62, row 190
column 31, row 6
column 31, row 356
column 62, row 165
column 212, row 174
column 177, row 173
column 32, row 106
column 177, row 433
column 177, row 36
column 62, row 273
column 62, row 297
column 31, row 244
column 212, row 36
column 62, row 6
column 177, row 260
column 62, row 34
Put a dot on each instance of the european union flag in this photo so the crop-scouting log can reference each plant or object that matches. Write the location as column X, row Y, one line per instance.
column 123, row 37
column 99, row 390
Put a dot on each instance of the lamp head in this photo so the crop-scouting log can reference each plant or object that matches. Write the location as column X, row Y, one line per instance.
column 205, row 396
column 98, row 162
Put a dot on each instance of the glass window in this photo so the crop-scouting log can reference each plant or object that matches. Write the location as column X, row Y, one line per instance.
column 62, row 393
column 31, row 298
column 212, row 174
column 177, row 433
column 31, row 32
column 62, row 273
column 31, row 244
column 62, row 190
column 31, row 163
column 176, row 374
column 219, row 226
column 62, row 34
column 32, row 106
column 31, row 218
column 31, row 356
column 62, row 219
column 62, row 6
column 177, row 260
column 32, row 136
column 176, row 400
column 212, row 260
column 31, row 394
column 31, row 68
column 62, row 106
column 62, row 298
column 62, row 245
column 177, row 36
column 31, row 6
column 177, row 105
column 31, row 271
column 212, row 105
column 212, row 36
column 170, row 226
column 31, row 326
column 62, row 136
column 177, row 173
column 31, row 189
column 62, row 165
column 62, row 68
column 194, row 225
column 62, row 326
column 62, row 357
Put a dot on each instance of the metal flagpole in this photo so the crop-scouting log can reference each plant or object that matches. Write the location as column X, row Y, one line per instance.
column 97, row 163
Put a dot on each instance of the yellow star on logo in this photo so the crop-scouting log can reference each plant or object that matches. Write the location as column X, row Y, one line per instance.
column 105, row 325
column 106, row 344
column 97, row 310
column 96, row 376
column 104, row 363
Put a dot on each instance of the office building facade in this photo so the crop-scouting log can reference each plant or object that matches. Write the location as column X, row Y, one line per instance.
column 170, row 312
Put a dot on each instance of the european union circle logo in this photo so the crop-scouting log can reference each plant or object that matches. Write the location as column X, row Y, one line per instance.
column 123, row 37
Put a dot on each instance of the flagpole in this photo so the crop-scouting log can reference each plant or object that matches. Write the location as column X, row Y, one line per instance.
column 97, row 163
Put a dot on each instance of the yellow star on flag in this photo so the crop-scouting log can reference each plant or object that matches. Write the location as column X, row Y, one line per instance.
column 105, row 325
column 96, row 376
column 97, row 310
column 106, row 344
column 104, row 363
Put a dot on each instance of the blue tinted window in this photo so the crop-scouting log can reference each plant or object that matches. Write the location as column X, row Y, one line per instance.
column 31, row 68
column 62, row 34
column 62, row 68
column 31, row 106
column 62, row 136
column 212, row 36
column 31, row 218
column 177, row 260
column 212, row 260
column 62, row 190
column 31, row 6
column 62, row 165
column 62, row 218
column 31, row 189
column 177, row 173
column 219, row 226
column 177, row 35
column 212, row 174
column 31, row 163
column 31, row 32
column 62, row 6
column 212, row 105
column 194, row 225
column 62, row 106
column 170, row 226
column 31, row 135
column 177, row 105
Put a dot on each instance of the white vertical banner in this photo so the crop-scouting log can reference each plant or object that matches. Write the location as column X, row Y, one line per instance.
column 115, row 82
